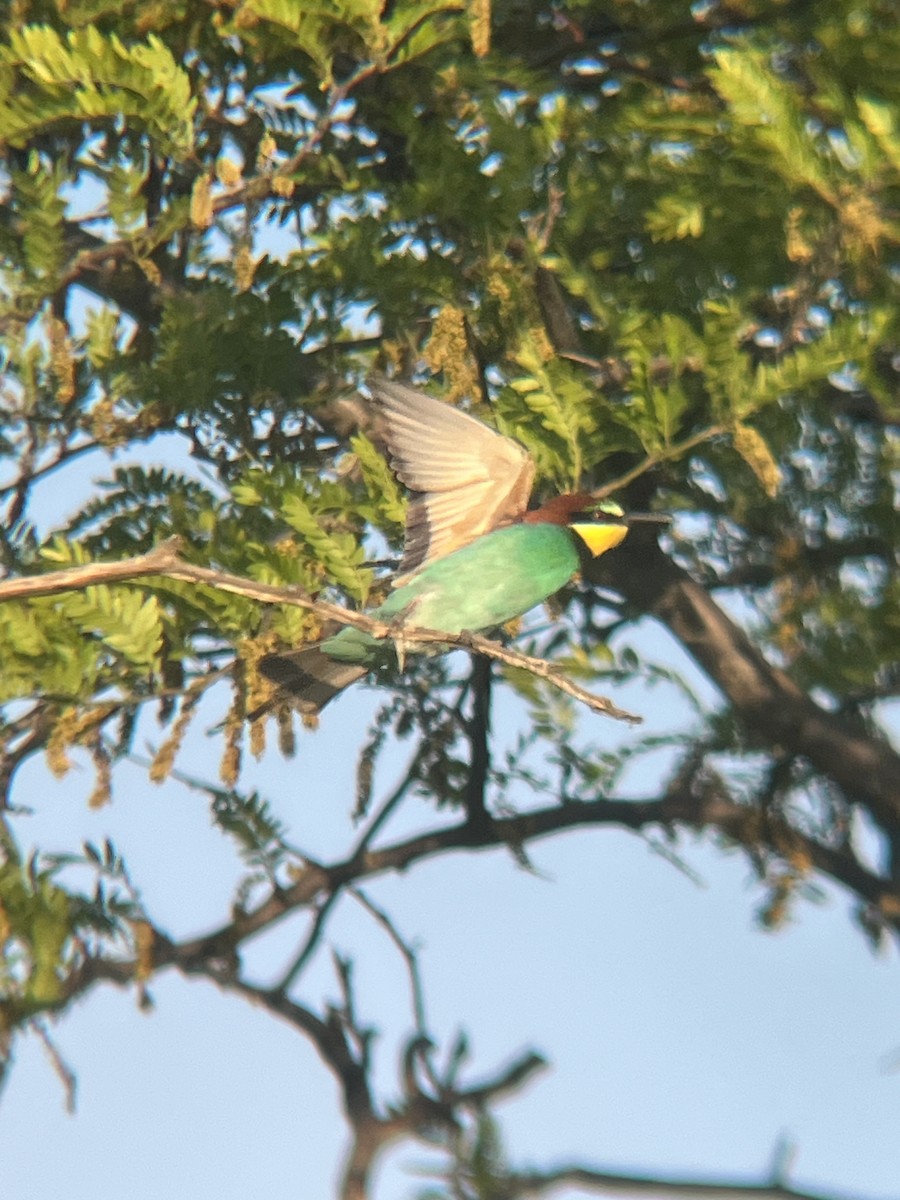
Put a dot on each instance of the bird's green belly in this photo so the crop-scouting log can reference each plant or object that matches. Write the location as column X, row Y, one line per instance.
column 492, row 580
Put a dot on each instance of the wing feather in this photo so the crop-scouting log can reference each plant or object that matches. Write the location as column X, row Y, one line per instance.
column 465, row 478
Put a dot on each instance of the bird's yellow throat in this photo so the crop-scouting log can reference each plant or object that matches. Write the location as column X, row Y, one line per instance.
column 600, row 536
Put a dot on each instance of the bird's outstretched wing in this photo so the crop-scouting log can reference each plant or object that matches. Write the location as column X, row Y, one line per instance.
column 465, row 478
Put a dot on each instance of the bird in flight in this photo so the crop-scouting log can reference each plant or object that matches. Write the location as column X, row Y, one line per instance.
column 474, row 556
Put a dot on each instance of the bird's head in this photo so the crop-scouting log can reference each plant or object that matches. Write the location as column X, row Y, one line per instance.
column 600, row 524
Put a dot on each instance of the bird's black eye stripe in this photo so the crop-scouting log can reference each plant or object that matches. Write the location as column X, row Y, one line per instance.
column 593, row 516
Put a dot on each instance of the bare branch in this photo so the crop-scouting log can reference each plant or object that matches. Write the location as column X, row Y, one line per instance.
column 406, row 950
column 303, row 956
column 478, row 727
column 765, row 697
column 60, row 1067
column 164, row 561
column 510, row 1079
column 678, row 807
column 602, row 1183
column 439, row 1103
column 159, row 561
column 669, row 454
column 314, row 936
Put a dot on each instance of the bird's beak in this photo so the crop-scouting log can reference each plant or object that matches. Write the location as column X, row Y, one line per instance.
column 647, row 518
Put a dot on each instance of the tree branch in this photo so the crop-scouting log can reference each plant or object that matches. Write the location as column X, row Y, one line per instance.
column 436, row 1104
column 764, row 697
column 478, row 727
column 164, row 561
column 416, row 1115
column 161, row 560
column 541, row 1183
column 680, row 806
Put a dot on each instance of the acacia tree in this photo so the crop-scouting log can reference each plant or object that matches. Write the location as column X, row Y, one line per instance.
column 655, row 243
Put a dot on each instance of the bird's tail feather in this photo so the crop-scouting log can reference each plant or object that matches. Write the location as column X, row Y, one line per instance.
column 309, row 676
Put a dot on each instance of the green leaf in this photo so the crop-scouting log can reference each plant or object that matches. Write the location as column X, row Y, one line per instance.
column 770, row 106
column 380, row 482
column 339, row 553
column 124, row 620
column 880, row 118
column 90, row 76
column 675, row 217
column 37, row 201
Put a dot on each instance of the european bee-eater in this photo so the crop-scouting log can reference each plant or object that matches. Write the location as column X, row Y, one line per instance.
column 473, row 556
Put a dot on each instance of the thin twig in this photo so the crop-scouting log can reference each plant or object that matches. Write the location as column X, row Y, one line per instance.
column 675, row 450
column 613, row 1183
column 315, row 934
column 62, row 1069
column 408, row 953
column 406, row 782
column 309, row 946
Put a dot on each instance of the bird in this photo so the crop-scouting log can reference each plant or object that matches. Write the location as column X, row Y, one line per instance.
column 474, row 555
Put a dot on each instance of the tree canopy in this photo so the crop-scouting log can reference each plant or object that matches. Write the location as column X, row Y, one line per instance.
column 656, row 243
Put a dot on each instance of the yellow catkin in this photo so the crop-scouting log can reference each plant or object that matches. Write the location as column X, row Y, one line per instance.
column 201, row 203
column 144, row 939
column 244, row 269
column 164, row 759
column 498, row 287
column 101, row 794
column 233, row 732
column 800, row 860
column 282, row 186
column 228, row 172
column 754, row 450
column 480, row 26
column 150, row 270
column 255, row 689
column 267, row 150
column 539, row 338
column 62, row 360
column 863, row 220
column 258, row 739
column 797, row 244
column 448, row 351
column 287, row 742
column 107, row 427
column 775, row 912
column 73, row 728
column 58, row 761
